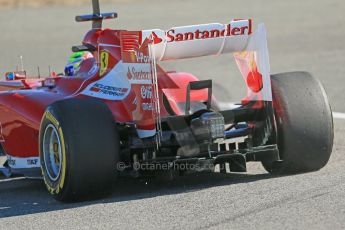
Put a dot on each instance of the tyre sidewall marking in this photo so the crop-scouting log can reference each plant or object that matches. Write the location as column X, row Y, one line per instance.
column 49, row 116
column 56, row 187
column 63, row 171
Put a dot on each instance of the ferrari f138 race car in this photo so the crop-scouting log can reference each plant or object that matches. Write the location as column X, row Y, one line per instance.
column 120, row 113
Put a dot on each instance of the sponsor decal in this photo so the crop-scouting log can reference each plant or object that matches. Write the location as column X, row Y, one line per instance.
column 140, row 70
column 148, row 106
column 104, row 62
column 146, row 92
column 11, row 161
column 32, row 161
column 156, row 39
column 112, row 86
column 139, row 75
column 202, row 32
column 23, row 162
column 109, row 90
column 248, row 67
column 174, row 36
column 199, row 40
column 141, row 57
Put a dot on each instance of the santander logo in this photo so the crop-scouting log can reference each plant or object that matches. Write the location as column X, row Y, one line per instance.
column 138, row 74
column 179, row 34
column 156, row 39
column 129, row 74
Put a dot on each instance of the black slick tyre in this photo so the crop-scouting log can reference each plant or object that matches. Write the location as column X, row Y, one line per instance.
column 79, row 149
column 304, row 123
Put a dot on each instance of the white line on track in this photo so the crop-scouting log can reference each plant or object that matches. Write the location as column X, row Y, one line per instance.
column 226, row 105
column 338, row 115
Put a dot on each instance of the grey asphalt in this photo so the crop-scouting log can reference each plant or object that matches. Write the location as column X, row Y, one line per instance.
column 303, row 35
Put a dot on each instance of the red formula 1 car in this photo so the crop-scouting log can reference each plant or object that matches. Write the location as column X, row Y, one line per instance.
column 121, row 113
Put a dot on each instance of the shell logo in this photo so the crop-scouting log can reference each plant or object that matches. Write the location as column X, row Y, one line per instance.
column 254, row 77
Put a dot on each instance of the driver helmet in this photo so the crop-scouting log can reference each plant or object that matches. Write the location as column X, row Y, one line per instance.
column 74, row 61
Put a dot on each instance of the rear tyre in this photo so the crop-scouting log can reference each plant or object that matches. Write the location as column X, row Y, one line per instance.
column 304, row 123
column 79, row 149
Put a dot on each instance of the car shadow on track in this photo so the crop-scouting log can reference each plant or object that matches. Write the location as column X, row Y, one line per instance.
column 20, row 196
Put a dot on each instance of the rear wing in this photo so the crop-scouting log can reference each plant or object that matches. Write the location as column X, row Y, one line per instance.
column 248, row 46
column 200, row 40
column 141, row 50
column 136, row 81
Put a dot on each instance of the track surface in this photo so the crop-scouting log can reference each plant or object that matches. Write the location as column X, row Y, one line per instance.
column 306, row 35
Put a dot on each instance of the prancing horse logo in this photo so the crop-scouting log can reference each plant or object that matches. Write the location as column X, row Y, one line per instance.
column 104, row 59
